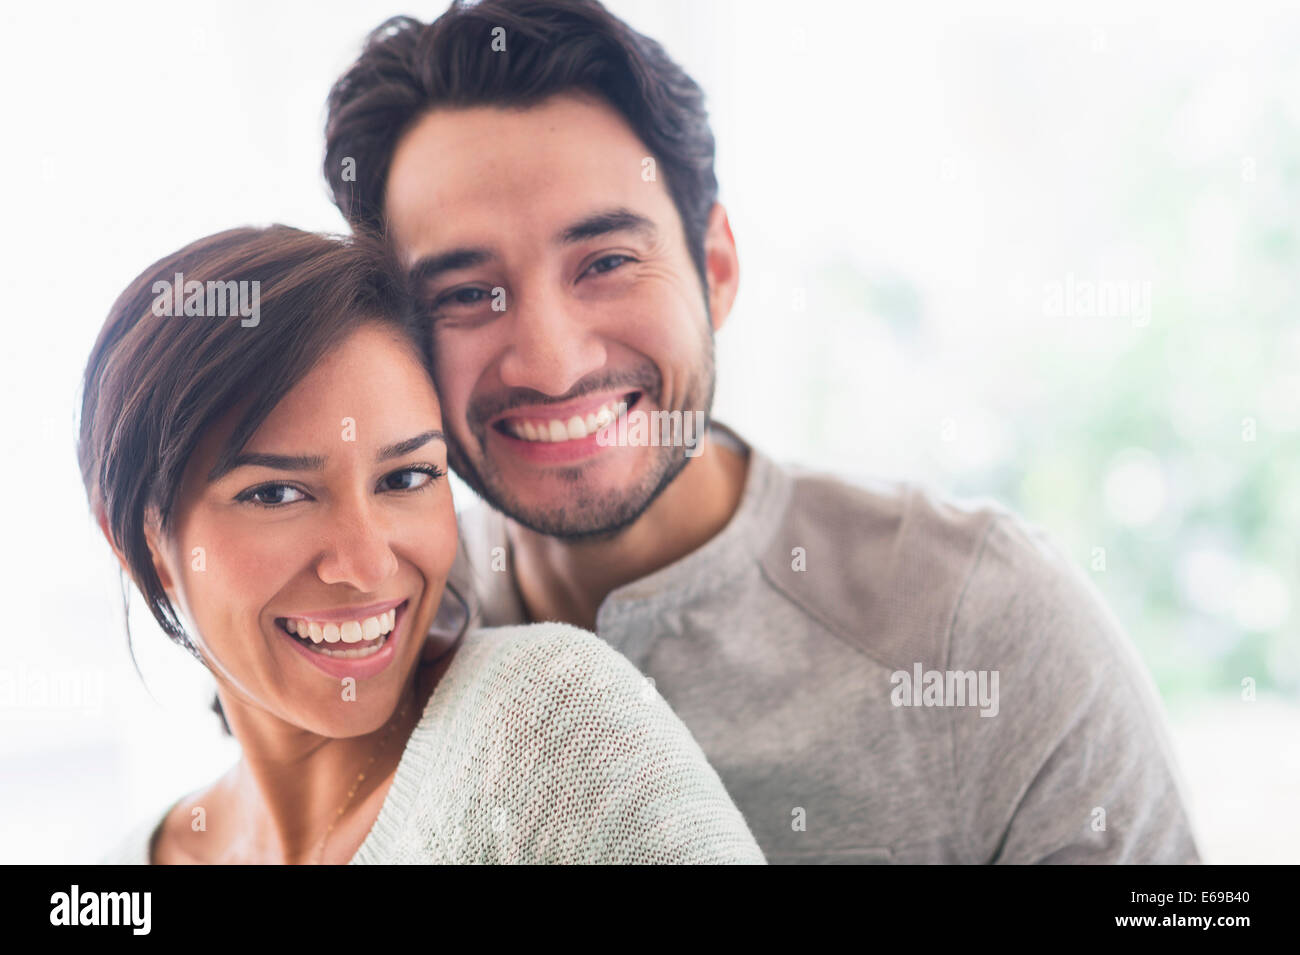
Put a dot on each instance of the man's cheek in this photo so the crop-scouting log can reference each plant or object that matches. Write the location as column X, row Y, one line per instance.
column 453, row 394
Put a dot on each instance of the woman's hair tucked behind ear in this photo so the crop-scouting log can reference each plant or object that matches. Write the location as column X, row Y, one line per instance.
column 155, row 381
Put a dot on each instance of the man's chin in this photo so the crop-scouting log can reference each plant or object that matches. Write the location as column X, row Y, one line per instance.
column 584, row 514
column 586, row 529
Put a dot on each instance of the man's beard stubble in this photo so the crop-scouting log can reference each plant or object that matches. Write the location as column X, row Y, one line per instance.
column 589, row 516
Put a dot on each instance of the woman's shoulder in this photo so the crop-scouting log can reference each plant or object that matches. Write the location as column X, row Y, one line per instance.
column 543, row 683
column 601, row 767
column 139, row 844
column 558, row 644
column 133, row 847
column 544, row 657
column 168, row 836
column 557, row 687
column 550, row 633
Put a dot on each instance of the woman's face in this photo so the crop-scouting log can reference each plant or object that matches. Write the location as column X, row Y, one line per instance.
column 336, row 521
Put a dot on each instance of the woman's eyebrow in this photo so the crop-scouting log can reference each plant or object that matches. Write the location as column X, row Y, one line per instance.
column 279, row 462
column 316, row 462
column 410, row 444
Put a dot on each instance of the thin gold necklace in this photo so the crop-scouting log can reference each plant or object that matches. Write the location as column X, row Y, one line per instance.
column 394, row 722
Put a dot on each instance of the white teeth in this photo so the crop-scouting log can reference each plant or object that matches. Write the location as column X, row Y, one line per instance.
column 574, row 429
column 354, row 631
column 352, row 654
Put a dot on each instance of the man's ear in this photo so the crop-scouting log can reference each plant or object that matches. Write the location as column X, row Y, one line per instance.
column 721, row 265
column 151, row 537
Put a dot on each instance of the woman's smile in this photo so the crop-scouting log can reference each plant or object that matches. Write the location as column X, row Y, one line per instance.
column 351, row 641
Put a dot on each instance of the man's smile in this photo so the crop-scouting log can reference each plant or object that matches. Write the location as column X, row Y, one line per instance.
column 571, row 421
column 559, row 434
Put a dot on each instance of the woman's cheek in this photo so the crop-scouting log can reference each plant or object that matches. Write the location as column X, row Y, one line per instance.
column 437, row 542
column 232, row 577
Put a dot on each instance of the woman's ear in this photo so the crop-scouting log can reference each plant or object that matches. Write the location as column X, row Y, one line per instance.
column 155, row 552
column 102, row 520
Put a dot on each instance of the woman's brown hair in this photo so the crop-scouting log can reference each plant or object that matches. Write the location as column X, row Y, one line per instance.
column 169, row 363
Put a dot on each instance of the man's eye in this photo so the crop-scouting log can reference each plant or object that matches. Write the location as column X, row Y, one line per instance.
column 609, row 263
column 462, row 296
column 272, row 495
column 411, row 479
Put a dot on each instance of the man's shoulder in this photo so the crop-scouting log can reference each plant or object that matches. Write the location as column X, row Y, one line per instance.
column 884, row 564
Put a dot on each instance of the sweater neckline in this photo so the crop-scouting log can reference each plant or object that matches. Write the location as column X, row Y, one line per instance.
column 411, row 768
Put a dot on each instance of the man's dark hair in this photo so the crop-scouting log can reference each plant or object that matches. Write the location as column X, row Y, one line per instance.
column 551, row 46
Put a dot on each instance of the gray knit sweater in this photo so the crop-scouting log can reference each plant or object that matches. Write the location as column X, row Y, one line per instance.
column 543, row 745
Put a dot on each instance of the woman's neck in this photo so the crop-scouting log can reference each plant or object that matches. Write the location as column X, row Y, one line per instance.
column 287, row 789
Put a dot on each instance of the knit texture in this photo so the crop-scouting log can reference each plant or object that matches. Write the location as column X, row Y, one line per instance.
column 541, row 744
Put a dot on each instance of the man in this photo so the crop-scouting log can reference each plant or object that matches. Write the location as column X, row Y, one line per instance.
column 878, row 674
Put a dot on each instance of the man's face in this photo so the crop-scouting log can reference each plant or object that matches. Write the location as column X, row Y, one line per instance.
column 546, row 211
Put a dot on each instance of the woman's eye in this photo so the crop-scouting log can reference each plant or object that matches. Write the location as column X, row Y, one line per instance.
column 410, row 479
column 608, row 263
column 273, row 495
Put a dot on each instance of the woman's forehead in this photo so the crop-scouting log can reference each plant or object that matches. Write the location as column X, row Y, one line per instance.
column 371, row 390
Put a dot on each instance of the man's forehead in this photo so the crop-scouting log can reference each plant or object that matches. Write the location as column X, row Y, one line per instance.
column 569, row 118
column 538, row 164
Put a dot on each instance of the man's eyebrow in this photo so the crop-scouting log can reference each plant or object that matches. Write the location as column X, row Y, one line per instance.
column 431, row 266
column 316, row 462
column 602, row 223
column 410, row 444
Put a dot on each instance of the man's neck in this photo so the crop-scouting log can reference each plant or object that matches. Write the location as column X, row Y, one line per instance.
column 567, row 581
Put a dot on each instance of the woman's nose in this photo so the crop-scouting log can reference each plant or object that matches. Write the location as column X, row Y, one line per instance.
column 358, row 551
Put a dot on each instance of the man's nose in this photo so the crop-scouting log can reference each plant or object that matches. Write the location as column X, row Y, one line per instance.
column 358, row 549
column 552, row 345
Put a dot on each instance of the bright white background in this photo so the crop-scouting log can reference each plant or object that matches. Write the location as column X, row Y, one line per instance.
column 906, row 188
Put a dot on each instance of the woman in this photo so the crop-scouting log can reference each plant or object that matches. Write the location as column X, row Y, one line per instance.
column 262, row 447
